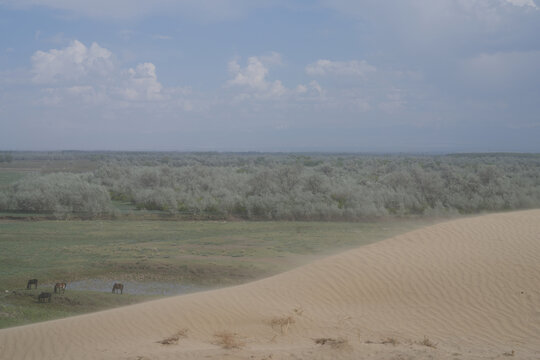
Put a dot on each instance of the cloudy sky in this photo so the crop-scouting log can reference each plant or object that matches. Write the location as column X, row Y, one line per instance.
column 242, row 75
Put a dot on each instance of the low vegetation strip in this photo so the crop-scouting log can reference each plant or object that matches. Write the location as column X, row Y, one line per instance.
column 274, row 186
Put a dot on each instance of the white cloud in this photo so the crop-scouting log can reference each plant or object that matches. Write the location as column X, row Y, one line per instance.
column 142, row 84
column 523, row 3
column 71, row 63
column 301, row 89
column 90, row 75
column 343, row 68
column 254, row 75
column 315, row 85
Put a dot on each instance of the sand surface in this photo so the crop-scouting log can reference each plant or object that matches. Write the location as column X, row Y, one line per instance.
column 471, row 287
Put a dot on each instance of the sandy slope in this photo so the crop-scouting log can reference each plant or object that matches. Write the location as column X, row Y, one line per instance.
column 472, row 286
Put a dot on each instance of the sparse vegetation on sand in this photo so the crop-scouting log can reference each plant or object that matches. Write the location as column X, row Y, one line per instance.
column 390, row 341
column 282, row 323
column 334, row 343
column 228, row 340
column 427, row 342
column 173, row 339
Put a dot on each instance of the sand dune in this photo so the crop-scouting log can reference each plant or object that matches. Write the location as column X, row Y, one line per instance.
column 471, row 286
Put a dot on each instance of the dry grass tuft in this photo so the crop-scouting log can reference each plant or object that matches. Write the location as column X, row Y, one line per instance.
column 338, row 343
column 427, row 342
column 298, row 311
column 228, row 340
column 390, row 341
column 283, row 323
column 172, row 340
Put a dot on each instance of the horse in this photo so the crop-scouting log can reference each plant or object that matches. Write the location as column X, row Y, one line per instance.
column 60, row 287
column 44, row 296
column 116, row 287
column 30, row 283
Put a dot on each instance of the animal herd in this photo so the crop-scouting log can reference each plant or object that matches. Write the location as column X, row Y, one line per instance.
column 61, row 287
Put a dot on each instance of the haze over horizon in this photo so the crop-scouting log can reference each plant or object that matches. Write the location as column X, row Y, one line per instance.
column 359, row 76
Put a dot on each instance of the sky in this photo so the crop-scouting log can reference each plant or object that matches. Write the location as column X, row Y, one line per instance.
column 260, row 75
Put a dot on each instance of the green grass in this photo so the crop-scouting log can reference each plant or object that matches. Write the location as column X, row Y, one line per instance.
column 124, row 207
column 21, row 307
column 209, row 253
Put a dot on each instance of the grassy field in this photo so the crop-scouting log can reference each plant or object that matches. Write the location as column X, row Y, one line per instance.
column 20, row 307
column 199, row 253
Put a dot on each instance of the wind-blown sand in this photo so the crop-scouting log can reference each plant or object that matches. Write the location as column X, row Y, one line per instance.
column 471, row 286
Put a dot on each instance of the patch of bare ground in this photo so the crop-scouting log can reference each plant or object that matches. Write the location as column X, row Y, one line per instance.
column 228, row 340
column 172, row 340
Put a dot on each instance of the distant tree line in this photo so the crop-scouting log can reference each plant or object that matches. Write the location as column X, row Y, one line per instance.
column 286, row 186
column 6, row 157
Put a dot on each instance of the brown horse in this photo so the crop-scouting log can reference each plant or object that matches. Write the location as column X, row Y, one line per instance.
column 30, row 283
column 44, row 296
column 60, row 287
column 118, row 286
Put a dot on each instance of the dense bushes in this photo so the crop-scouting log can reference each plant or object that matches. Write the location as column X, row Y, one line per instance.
column 58, row 193
column 285, row 186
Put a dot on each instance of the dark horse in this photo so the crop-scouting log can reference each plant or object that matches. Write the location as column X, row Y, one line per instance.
column 30, row 283
column 44, row 296
column 60, row 287
column 118, row 286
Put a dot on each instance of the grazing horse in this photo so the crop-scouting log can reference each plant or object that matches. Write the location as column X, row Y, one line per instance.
column 118, row 286
column 44, row 296
column 60, row 287
column 30, row 283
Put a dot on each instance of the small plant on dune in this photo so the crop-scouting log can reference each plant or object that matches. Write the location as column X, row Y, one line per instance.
column 298, row 311
column 183, row 333
column 283, row 323
column 228, row 340
column 338, row 343
column 427, row 342
column 390, row 341
column 171, row 340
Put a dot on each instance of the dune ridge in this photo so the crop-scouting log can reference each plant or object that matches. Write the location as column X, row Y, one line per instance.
column 472, row 286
